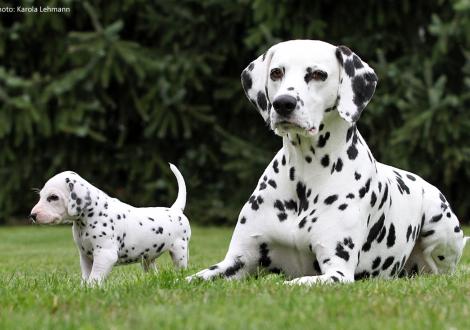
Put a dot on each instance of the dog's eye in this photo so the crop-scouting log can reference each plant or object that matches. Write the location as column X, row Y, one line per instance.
column 317, row 75
column 276, row 74
column 52, row 198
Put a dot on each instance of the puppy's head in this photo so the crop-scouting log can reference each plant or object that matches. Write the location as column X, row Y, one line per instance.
column 60, row 200
column 296, row 83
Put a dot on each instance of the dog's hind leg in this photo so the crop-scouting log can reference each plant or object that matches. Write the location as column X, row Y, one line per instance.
column 149, row 265
column 180, row 254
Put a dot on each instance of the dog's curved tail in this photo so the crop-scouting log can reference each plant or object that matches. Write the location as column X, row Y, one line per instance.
column 180, row 202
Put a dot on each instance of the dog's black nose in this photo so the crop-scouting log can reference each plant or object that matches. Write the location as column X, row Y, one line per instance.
column 284, row 105
column 33, row 216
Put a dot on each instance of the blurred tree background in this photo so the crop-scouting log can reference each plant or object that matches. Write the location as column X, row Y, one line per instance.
column 116, row 89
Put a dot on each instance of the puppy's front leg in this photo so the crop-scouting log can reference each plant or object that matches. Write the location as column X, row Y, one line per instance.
column 85, row 266
column 103, row 262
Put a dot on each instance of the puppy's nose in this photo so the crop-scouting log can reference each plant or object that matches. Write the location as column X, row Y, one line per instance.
column 284, row 104
column 33, row 216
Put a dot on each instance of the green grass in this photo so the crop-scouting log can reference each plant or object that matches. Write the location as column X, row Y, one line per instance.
column 40, row 288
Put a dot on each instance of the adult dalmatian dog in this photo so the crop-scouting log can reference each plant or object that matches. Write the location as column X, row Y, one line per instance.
column 325, row 210
column 108, row 231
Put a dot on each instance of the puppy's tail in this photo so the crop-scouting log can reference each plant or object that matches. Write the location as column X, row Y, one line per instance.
column 180, row 202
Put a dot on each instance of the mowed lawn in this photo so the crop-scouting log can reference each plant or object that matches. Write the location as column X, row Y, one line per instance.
column 40, row 288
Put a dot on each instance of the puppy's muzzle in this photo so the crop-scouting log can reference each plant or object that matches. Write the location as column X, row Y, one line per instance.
column 33, row 217
column 284, row 105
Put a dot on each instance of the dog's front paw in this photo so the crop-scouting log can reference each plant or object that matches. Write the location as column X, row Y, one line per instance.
column 193, row 278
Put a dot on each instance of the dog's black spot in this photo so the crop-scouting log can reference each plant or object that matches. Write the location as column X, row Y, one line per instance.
column 362, row 275
column 373, row 199
column 302, row 195
column 334, row 278
column 373, row 233
column 323, row 139
column 272, row 183
column 352, row 152
column 247, row 82
column 427, row 233
column 357, row 62
column 160, row 247
column 402, row 187
column 364, row 190
column 282, row 216
column 290, row 205
column 341, row 252
column 357, row 176
column 362, row 90
column 339, row 165
column 308, row 159
column 264, row 260
column 276, row 166
column 343, row 207
column 391, row 236
column 261, row 99
column 376, row 263
column 382, row 234
column 384, row 197
column 408, row 233
column 350, row 196
column 232, row 270
column 436, row 218
column 387, row 263
column 331, row 199
column 292, row 173
column 325, row 161
column 412, row 178
column 349, row 68
column 242, row 220
column 456, row 229
column 279, row 205
column 302, row 222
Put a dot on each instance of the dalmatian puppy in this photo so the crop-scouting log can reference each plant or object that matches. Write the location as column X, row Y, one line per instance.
column 325, row 210
column 109, row 232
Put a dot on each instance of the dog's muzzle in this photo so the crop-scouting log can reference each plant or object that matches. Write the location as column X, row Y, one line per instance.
column 284, row 105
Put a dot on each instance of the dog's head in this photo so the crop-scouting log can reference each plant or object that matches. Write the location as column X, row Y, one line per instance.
column 296, row 83
column 61, row 200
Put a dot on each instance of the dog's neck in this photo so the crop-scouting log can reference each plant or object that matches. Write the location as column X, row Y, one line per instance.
column 312, row 156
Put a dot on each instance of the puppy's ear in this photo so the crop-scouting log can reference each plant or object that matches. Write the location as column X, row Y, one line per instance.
column 357, row 84
column 78, row 198
column 254, row 82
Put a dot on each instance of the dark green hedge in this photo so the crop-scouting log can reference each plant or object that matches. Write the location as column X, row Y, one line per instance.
column 116, row 89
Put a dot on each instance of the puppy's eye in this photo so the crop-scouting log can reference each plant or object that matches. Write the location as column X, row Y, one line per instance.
column 317, row 75
column 276, row 74
column 52, row 198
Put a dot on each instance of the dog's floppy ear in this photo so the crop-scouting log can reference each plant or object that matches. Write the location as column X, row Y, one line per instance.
column 357, row 84
column 78, row 198
column 254, row 83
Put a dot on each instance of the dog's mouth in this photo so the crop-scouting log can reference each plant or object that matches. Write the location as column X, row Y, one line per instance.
column 287, row 127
